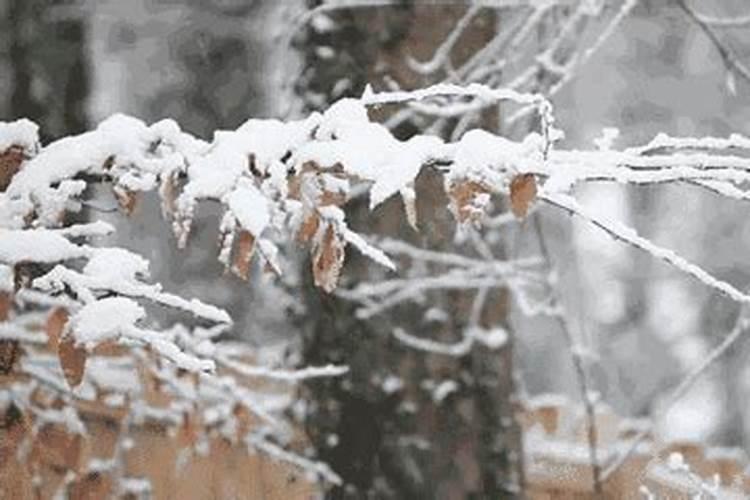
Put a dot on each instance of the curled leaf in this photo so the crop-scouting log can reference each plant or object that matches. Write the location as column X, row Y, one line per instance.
column 308, row 228
column 5, row 305
column 244, row 254
column 57, row 447
column 10, row 351
column 468, row 199
column 328, row 258
column 126, row 199
column 168, row 193
column 10, row 163
column 90, row 486
column 72, row 360
column 55, row 324
column 522, row 194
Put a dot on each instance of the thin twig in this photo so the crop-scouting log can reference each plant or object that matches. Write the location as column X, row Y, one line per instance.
column 629, row 236
column 731, row 61
column 589, row 403
column 685, row 385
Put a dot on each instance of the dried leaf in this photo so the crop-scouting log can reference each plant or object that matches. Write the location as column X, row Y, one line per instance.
column 13, row 426
column 309, row 228
column 10, row 351
column 465, row 197
column 91, row 486
column 72, row 360
column 327, row 198
column 10, row 163
column 126, row 199
column 243, row 254
column 57, row 447
column 168, row 194
column 24, row 273
column 244, row 420
column 189, row 431
column 522, row 194
column 328, row 258
column 6, row 302
column 409, row 198
column 54, row 327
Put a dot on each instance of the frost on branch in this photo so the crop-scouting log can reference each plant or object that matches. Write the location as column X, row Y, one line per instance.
column 76, row 308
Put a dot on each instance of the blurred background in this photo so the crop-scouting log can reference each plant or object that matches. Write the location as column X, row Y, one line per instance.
column 212, row 64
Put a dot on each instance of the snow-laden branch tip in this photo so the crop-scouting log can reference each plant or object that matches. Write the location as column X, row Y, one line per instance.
column 282, row 375
column 630, row 237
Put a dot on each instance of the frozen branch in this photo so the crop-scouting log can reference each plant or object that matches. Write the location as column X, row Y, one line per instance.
column 630, row 237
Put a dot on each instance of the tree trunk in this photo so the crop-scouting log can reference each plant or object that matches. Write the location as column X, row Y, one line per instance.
column 404, row 443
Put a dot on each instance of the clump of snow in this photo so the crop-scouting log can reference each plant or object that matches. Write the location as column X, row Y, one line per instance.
column 250, row 208
column 392, row 384
column 401, row 168
column 116, row 264
column 494, row 338
column 443, row 390
column 23, row 132
column 105, row 319
column 484, row 157
column 6, row 278
column 37, row 245
column 96, row 228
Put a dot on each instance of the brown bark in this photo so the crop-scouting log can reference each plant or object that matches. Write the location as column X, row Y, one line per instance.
column 472, row 440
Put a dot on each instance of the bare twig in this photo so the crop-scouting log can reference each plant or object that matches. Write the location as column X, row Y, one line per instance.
column 589, row 402
column 731, row 61
column 630, row 237
column 685, row 385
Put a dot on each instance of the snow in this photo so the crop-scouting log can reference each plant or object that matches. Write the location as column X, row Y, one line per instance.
column 113, row 374
column 6, row 278
column 250, row 208
column 443, row 390
column 401, row 169
column 116, row 264
column 23, row 132
column 91, row 229
column 283, row 375
column 629, row 236
column 368, row 250
column 392, row 384
column 494, row 338
column 493, row 160
column 105, row 319
column 37, row 245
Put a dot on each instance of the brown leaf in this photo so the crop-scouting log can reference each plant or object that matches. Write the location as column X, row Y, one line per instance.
column 56, row 321
column 308, row 228
column 13, row 426
column 463, row 196
column 127, row 200
column 168, row 193
column 10, row 350
column 243, row 254
column 57, row 447
column 6, row 302
column 328, row 258
column 327, row 198
column 72, row 360
column 244, row 420
column 522, row 194
column 93, row 486
column 11, row 161
column 189, row 431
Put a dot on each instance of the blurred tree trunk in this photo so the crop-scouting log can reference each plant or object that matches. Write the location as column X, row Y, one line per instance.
column 404, row 444
column 47, row 58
